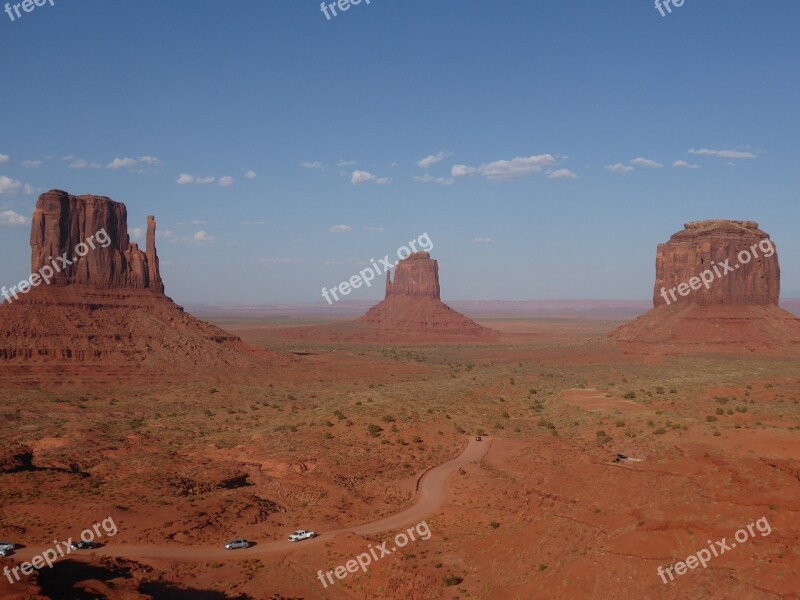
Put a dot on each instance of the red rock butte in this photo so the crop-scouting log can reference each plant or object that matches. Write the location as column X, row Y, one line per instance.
column 737, row 306
column 413, row 304
column 104, row 310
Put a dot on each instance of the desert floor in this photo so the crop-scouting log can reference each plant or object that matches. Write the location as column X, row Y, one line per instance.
column 338, row 440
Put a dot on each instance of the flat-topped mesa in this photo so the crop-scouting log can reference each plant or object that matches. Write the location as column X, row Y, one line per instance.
column 96, row 227
column 752, row 276
column 415, row 276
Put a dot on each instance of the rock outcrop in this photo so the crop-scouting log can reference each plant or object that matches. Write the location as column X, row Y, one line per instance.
column 412, row 303
column 416, row 276
column 717, row 289
column 95, row 227
column 104, row 312
column 704, row 245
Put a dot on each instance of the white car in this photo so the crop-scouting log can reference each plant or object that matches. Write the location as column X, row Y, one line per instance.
column 5, row 551
column 299, row 536
column 236, row 544
column 7, row 547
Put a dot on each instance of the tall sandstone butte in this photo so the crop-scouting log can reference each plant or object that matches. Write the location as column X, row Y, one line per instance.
column 738, row 311
column 705, row 244
column 61, row 222
column 106, row 312
column 413, row 303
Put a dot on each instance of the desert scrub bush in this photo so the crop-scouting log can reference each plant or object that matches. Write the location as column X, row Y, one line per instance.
column 629, row 395
column 720, row 411
column 374, row 430
column 388, row 419
column 533, row 391
column 741, row 409
column 545, row 423
column 711, row 418
column 494, row 524
column 451, row 580
column 416, row 439
column 327, row 435
column 660, row 431
column 620, row 423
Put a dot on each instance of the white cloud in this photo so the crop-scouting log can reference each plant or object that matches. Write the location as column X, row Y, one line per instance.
column 82, row 164
column 186, row 179
column 68, row 157
column 359, row 177
column 722, row 153
column 340, row 229
column 561, row 174
column 250, row 174
column 483, row 240
column 203, row 237
column 378, row 229
column 428, row 178
column 12, row 219
column 13, row 186
column 142, row 161
column 462, row 170
column 347, row 163
column 253, row 222
column 225, row 181
column 646, row 162
column 501, row 170
column 619, row 168
column 31, row 164
column 313, row 165
column 119, row 163
column 136, row 233
column 429, row 161
column 685, row 165
column 4, row 158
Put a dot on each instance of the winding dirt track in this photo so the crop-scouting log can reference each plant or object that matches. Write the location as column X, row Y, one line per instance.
column 431, row 496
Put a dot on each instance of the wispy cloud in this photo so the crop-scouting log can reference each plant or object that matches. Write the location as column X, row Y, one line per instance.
column 619, row 168
column 203, row 237
column 682, row 164
column 250, row 174
column 722, row 153
column 429, row 161
column 142, row 163
column 9, row 218
column 82, row 164
column 561, row 174
column 500, row 170
column 14, row 186
column 646, row 162
column 187, row 179
column 340, row 229
column 32, row 164
column 4, row 158
column 428, row 178
column 347, row 163
column 313, row 165
column 483, row 240
column 359, row 177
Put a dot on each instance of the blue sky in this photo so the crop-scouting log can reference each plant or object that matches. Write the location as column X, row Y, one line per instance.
column 306, row 124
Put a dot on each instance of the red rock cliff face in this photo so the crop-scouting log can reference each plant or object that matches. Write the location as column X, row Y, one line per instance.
column 417, row 275
column 706, row 246
column 61, row 222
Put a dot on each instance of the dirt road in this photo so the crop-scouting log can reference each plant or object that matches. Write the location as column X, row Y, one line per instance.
column 431, row 496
